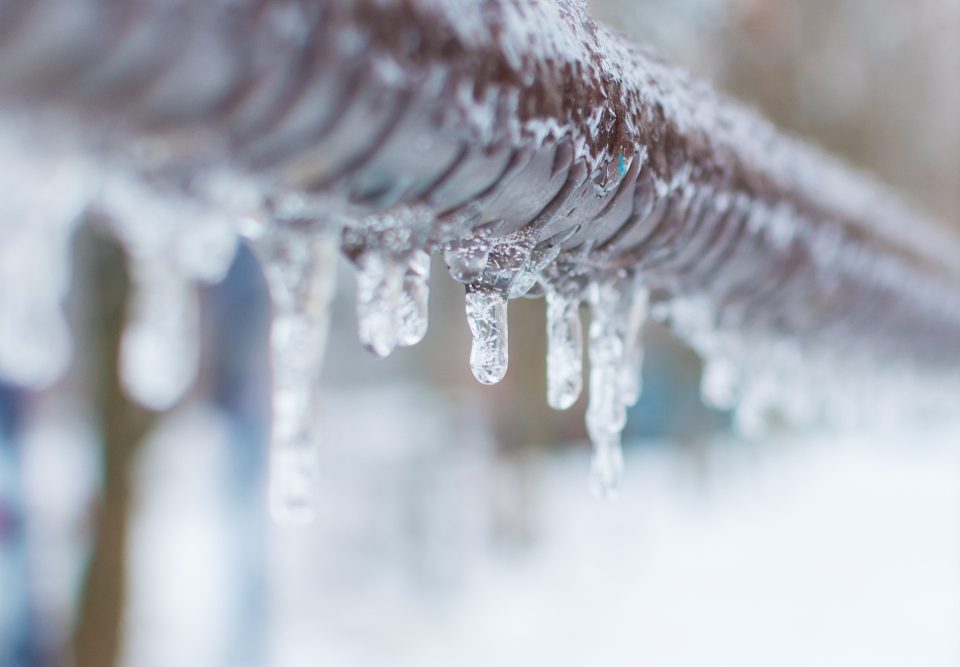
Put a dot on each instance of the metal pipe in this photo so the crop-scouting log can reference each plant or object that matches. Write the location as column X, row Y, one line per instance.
column 521, row 116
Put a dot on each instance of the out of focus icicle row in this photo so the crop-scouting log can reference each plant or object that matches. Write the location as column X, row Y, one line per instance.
column 171, row 243
column 160, row 350
column 299, row 263
column 43, row 195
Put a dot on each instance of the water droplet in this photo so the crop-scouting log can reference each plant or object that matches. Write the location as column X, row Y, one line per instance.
column 487, row 317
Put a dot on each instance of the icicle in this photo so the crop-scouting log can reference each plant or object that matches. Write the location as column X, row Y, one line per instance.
column 300, row 269
column 413, row 304
column 564, row 350
column 487, row 317
column 606, row 410
column 393, row 267
column 719, row 383
column 206, row 246
column 35, row 342
column 753, row 414
column 198, row 240
column 631, row 376
column 171, row 240
column 380, row 282
column 159, row 353
column 606, row 465
column 44, row 191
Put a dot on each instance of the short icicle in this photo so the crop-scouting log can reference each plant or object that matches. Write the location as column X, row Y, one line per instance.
column 171, row 242
column 487, row 318
column 564, row 350
column 160, row 349
column 413, row 301
column 380, row 293
column 300, row 267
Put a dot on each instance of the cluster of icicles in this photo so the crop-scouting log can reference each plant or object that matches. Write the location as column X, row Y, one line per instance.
column 392, row 295
column 174, row 240
column 172, row 243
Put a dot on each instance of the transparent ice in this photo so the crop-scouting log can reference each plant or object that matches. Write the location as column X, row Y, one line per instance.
column 300, row 268
column 487, row 318
column 564, row 350
column 380, row 295
column 631, row 377
column 607, row 406
column 413, row 301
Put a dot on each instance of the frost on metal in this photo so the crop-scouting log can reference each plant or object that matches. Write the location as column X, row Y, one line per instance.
column 532, row 149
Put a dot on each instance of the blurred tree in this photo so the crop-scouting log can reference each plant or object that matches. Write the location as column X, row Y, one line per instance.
column 102, row 280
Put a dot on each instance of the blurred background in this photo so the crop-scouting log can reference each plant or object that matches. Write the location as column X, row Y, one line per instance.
column 455, row 527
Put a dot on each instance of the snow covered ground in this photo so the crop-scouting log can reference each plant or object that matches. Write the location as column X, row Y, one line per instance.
column 821, row 550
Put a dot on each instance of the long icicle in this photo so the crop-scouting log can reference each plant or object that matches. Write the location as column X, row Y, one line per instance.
column 631, row 374
column 300, row 268
column 607, row 407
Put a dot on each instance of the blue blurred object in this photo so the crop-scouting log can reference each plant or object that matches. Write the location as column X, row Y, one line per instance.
column 18, row 645
column 239, row 312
